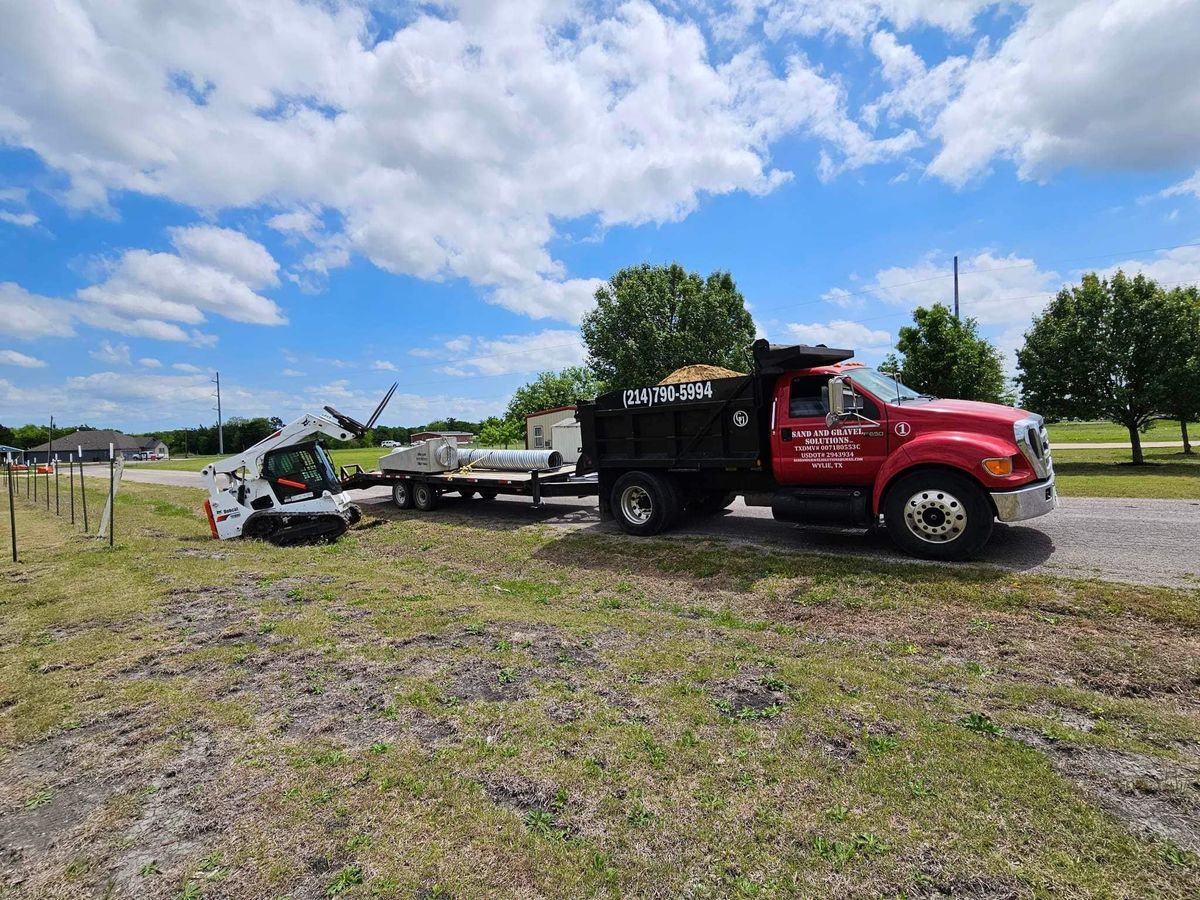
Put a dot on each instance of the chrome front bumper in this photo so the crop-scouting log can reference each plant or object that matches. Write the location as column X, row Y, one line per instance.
column 1028, row 502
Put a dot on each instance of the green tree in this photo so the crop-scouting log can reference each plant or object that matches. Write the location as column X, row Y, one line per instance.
column 497, row 432
column 552, row 389
column 1104, row 349
column 650, row 320
column 1183, row 369
column 946, row 357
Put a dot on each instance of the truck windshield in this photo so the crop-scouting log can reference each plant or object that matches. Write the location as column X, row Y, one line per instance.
column 883, row 387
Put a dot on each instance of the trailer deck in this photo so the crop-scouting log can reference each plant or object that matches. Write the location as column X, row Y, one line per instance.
column 560, row 481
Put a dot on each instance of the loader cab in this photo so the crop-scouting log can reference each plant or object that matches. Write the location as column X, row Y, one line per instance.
column 300, row 472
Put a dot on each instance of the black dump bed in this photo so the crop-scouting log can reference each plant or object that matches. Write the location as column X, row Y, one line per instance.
column 717, row 423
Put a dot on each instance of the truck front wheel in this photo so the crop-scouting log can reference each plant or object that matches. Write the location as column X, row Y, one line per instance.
column 938, row 515
column 644, row 504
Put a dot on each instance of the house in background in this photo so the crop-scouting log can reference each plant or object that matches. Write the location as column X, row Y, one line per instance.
column 95, row 446
column 539, row 426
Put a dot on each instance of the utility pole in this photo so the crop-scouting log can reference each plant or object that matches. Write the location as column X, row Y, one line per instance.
column 956, row 288
column 220, row 425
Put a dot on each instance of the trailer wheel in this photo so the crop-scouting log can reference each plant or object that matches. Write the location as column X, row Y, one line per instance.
column 644, row 504
column 466, row 495
column 425, row 498
column 402, row 495
column 937, row 514
column 488, row 495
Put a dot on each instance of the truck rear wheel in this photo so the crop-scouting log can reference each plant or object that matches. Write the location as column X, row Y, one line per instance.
column 644, row 504
column 425, row 497
column 938, row 515
column 402, row 495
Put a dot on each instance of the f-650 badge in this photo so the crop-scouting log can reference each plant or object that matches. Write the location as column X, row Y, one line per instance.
column 667, row 393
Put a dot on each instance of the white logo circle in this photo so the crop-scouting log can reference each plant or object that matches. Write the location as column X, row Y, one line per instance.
column 740, row 418
column 903, row 428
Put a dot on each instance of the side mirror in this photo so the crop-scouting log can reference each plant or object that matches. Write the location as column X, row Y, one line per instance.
column 844, row 403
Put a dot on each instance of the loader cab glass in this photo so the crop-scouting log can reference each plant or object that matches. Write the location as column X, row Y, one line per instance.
column 300, row 472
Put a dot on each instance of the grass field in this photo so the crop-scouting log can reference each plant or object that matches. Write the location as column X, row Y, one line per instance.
column 1108, row 432
column 1167, row 475
column 454, row 706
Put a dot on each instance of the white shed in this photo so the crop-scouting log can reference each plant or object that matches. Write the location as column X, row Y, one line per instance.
column 567, row 437
column 539, row 426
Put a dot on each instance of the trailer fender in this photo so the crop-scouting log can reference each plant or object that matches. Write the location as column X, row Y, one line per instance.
column 952, row 450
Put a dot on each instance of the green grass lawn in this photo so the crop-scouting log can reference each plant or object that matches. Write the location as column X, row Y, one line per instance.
column 452, row 705
column 1108, row 432
column 1168, row 474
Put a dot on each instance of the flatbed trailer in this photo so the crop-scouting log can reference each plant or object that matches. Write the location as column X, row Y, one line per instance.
column 422, row 490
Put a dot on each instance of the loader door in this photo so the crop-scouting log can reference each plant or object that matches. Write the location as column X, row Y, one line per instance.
column 300, row 472
column 805, row 451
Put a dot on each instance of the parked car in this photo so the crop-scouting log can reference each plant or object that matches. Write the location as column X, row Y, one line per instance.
column 389, row 444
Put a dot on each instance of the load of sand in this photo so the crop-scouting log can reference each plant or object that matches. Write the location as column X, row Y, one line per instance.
column 700, row 373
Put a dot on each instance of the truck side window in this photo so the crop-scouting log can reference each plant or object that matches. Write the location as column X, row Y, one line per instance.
column 809, row 397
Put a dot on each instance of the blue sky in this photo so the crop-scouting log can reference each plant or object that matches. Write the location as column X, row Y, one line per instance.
column 318, row 199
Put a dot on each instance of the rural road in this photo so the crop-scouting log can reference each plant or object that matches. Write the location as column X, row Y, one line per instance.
column 1137, row 541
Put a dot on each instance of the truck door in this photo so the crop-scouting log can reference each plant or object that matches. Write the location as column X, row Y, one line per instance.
column 806, row 451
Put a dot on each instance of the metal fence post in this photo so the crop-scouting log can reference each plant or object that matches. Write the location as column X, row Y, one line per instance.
column 112, row 517
column 12, row 512
column 71, row 464
column 57, row 508
column 83, row 496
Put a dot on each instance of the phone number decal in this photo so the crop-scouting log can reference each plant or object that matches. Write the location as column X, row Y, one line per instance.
column 668, row 393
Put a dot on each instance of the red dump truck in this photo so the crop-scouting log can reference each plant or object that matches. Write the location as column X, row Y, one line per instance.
column 820, row 440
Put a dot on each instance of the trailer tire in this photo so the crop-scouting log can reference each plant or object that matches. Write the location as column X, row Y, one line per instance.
column 402, row 495
column 644, row 504
column 938, row 514
column 488, row 495
column 425, row 498
column 466, row 495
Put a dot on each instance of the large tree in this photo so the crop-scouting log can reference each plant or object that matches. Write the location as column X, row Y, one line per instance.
column 946, row 357
column 1183, row 389
column 1104, row 349
column 551, row 389
column 650, row 320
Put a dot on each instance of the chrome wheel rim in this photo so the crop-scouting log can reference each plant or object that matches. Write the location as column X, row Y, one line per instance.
column 936, row 517
column 636, row 505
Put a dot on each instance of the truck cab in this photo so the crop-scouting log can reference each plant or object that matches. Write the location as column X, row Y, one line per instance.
column 820, row 440
column 937, row 471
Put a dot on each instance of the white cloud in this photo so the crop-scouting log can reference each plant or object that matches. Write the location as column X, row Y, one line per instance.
column 993, row 289
column 186, row 367
column 114, row 354
column 851, row 18
column 459, row 344
column 30, row 316
column 447, row 149
column 184, row 288
column 383, row 365
column 551, row 348
column 1180, row 266
column 300, row 222
column 1187, row 186
column 150, row 362
column 227, row 251
column 292, row 373
column 13, row 358
column 24, row 219
column 1108, row 84
column 842, row 334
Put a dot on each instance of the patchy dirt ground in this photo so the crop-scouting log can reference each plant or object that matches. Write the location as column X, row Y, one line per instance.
column 433, row 710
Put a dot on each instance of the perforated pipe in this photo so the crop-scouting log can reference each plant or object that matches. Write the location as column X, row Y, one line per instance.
column 511, row 460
